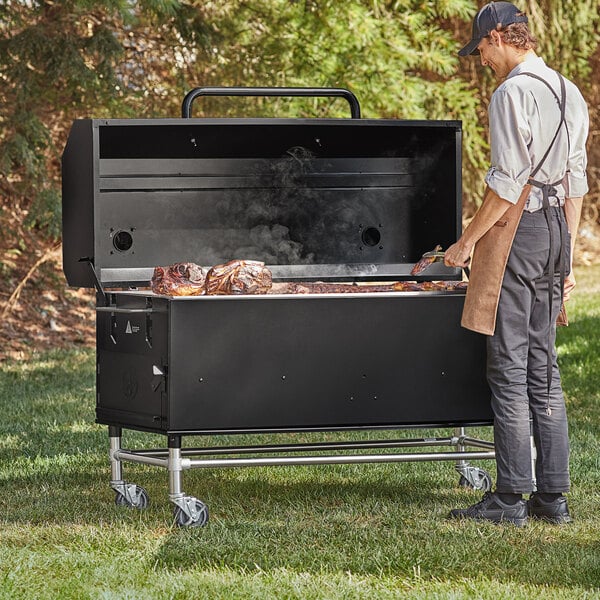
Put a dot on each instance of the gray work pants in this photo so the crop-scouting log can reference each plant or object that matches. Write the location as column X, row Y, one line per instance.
column 517, row 365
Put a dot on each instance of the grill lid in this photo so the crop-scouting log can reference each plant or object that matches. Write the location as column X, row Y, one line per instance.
column 314, row 199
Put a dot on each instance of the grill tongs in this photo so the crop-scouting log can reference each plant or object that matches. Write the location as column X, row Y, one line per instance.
column 429, row 258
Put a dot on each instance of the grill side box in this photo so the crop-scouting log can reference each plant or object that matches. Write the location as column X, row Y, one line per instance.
column 242, row 364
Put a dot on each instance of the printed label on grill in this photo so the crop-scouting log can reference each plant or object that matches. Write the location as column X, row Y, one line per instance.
column 131, row 328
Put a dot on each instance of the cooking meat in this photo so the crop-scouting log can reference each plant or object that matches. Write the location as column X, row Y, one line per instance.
column 190, row 279
column 431, row 286
column 320, row 287
column 425, row 261
column 239, row 277
column 180, row 279
column 252, row 277
column 407, row 286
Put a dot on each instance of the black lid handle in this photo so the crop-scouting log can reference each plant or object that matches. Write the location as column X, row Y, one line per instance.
column 186, row 107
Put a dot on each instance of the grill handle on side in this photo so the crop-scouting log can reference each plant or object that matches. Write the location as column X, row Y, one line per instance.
column 186, row 107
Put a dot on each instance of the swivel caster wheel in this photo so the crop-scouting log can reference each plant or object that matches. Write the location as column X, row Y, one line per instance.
column 132, row 496
column 190, row 512
column 476, row 479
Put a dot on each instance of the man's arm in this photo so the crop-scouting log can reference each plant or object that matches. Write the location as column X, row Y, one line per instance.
column 491, row 209
column 573, row 215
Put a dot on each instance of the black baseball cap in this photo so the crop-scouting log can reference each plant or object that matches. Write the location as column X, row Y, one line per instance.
column 490, row 17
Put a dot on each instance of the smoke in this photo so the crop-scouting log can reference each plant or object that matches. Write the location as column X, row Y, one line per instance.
column 287, row 211
column 274, row 245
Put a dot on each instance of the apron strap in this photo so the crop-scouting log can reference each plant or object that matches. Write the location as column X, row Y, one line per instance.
column 549, row 189
column 562, row 106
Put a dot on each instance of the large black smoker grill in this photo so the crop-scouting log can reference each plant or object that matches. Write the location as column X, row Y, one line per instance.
column 315, row 199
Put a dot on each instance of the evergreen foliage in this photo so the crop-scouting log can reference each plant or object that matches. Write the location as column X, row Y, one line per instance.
column 126, row 58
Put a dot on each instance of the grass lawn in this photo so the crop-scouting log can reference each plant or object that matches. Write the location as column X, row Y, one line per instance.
column 346, row 531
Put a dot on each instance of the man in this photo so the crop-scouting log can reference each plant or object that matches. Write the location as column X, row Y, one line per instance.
column 520, row 271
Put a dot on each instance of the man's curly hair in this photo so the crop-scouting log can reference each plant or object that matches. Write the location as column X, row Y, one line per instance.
column 519, row 36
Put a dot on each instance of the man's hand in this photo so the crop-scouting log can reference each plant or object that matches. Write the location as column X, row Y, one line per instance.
column 569, row 285
column 458, row 255
column 573, row 214
column 491, row 209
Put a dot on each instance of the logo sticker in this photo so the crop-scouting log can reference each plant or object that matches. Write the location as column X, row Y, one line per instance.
column 129, row 385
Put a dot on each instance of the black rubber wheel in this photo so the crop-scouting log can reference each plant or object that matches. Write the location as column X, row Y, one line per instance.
column 183, row 520
column 142, row 499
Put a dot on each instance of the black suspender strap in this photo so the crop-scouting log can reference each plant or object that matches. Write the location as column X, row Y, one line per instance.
column 562, row 105
column 549, row 189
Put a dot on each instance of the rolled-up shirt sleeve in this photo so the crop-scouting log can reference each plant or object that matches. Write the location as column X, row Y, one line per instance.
column 509, row 139
column 576, row 184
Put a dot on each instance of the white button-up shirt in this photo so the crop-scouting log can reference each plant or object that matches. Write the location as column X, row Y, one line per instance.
column 523, row 117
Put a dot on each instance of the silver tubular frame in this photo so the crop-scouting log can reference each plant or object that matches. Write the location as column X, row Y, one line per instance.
column 176, row 459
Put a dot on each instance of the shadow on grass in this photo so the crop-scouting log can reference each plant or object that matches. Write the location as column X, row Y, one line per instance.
column 380, row 530
column 378, row 520
column 76, row 489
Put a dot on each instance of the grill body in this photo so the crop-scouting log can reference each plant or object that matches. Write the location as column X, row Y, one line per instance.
column 285, row 363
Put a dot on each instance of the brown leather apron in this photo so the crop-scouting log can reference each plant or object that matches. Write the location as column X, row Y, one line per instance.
column 490, row 256
column 491, row 252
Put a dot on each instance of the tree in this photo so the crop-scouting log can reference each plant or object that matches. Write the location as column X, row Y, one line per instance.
column 57, row 62
column 123, row 58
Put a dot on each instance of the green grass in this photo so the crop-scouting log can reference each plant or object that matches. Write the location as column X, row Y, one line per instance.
column 352, row 531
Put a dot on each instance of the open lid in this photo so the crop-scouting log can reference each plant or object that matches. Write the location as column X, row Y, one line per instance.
column 311, row 198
